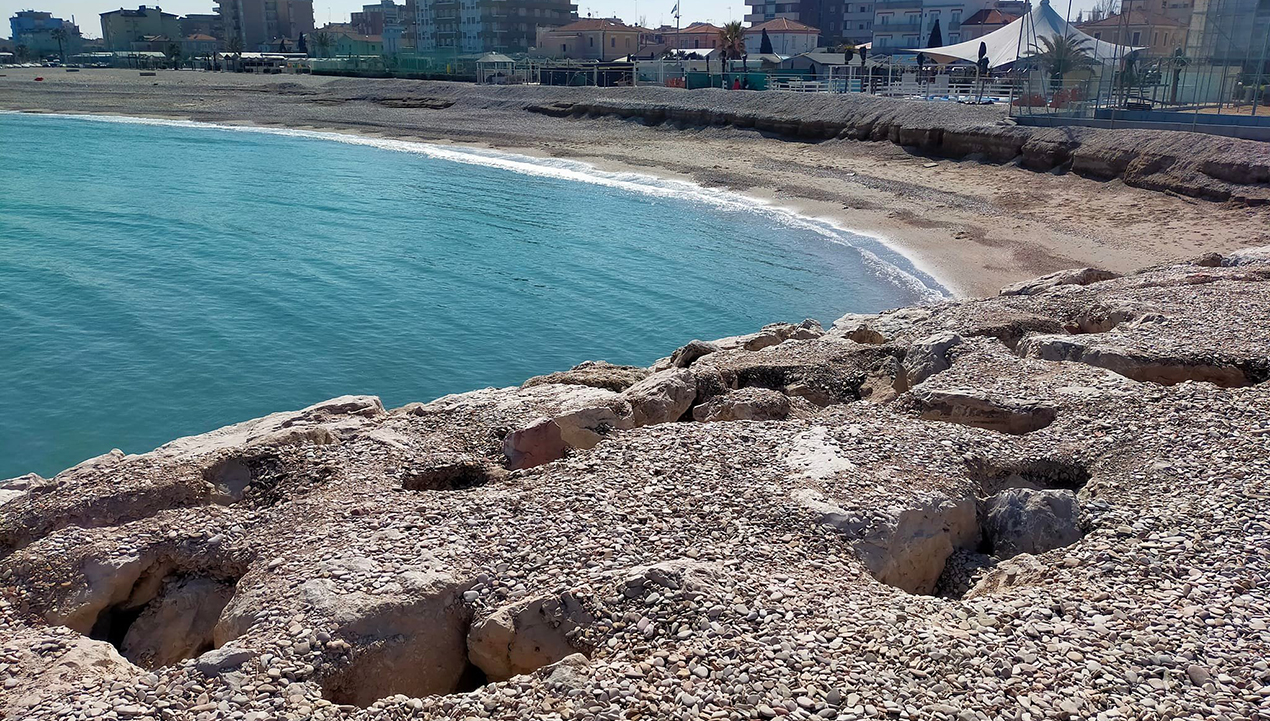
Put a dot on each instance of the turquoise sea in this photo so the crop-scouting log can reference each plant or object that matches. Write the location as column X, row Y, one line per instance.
column 160, row 279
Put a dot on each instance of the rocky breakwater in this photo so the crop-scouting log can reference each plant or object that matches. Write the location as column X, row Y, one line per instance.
column 1047, row 504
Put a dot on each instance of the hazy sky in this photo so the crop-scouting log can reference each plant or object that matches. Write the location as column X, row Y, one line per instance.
column 654, row 12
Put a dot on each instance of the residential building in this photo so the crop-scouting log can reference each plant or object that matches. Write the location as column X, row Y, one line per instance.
column 985, row 21
column 198, row 45
column 480, row 26
column 121, row 28
column 1159, row 34
column 589, row 39
column 211, row 25
column 261, row 22
column 789, row 37
column 856, row 27
column 399, row 37
column 697, row 36
column 374, row 18
column 33, row 30
column 1231, row 33
column 901, row 24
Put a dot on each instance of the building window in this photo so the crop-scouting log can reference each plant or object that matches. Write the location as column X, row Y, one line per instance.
column 591, row 42
column 1097, row 36
column 1137, row 37
column 564, row 48
column 612, row 42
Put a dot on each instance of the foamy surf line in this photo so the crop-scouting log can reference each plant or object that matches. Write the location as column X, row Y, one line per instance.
column 885, row 259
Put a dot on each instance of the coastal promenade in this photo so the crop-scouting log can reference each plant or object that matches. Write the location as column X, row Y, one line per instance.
column 1009, row 203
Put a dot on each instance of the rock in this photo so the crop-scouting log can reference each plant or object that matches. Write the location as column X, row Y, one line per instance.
column 686, row 355
column 412, row 642
column 178, row 623
column 582, row 421
column 537, row 443
column 1024, row 520
column 1247, row 256
column 526, row 636
column 221, row 660
column 596, row 374
column 909, row 548
column 982, row 410
column 823, row 371
column 879, row 328
column 306, row 435
column 1198, row 674
column 1075, row 276
column 746, row 404
column 1170, row 367
column 449, row 472
column 663, row 397
column 928, row 356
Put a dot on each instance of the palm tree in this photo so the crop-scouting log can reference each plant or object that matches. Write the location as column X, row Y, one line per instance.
column 22, row 52
column 323, row 41
column 732, row 40
column 59, row 34
column 235, row 47
column 1061, row 55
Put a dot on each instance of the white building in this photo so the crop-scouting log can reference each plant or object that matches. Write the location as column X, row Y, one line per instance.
column 789, row 37
column 909, row 23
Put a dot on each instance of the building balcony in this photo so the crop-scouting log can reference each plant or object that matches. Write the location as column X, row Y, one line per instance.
column 898, row 5
column 897, row 28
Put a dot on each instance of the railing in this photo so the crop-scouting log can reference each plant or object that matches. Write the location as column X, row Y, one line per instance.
column 897, row 28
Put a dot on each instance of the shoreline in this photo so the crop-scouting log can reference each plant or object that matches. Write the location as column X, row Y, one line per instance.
column 804, row 210
column 973, row 225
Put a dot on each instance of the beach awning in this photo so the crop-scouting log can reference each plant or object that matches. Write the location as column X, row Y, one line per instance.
column 1021, row 39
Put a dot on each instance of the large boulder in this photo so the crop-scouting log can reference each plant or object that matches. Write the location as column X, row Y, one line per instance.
column 1025, row 520
column 823, row 371
column 582, row 420
column 412, row 642
column 178, row 623
column 596, row 374
column 980, row 409
column 662, row 397
column 909, row 548
column 928, row 356
column 746, row 404
column 1073, row 276
column 526, row 636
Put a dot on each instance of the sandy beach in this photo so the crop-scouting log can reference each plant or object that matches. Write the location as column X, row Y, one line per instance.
column 974, row 225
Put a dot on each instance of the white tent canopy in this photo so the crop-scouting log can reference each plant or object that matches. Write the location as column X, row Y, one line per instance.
column 1022, row 38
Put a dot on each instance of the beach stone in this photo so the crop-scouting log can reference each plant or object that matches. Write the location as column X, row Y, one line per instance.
column 596, row 374
column 686, row 355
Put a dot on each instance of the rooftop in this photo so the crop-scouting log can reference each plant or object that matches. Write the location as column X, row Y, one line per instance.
column 592, row 24
column 783, row 25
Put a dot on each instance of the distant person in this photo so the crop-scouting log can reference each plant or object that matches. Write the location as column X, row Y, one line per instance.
column 736, row 84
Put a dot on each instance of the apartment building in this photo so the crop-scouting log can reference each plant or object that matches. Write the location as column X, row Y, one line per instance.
column 589, row 39
column 260, row 22
column 121, row 28
column 374, row 18
column 33, row 30
column 479, row 26
column 837, row 22
column 899, row 24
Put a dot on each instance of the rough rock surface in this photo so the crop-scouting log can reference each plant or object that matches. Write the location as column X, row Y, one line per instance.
column 685, row 570
column 1025, row 520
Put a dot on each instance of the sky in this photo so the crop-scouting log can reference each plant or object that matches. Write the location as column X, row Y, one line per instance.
column 653, row 12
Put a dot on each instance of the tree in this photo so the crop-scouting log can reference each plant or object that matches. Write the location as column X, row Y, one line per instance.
column 59, row 34
column 173, row 51
column 848, row 52
column 936, row 36
column 1062, row 54
column 323, row 42
column 235, row 47
column 22, row 52
column 1104, row 9
column 282, row 45
column 732, row 40
column 765, row 45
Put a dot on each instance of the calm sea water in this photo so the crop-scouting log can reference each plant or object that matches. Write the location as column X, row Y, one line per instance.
column 159, row 280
